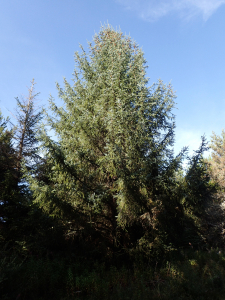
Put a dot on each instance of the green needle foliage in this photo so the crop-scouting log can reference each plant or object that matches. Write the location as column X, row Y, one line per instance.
column 112, row 176
column 11, row 207
column 217, row 162
column 28, row 117
column 18, row 149
column 8, row 160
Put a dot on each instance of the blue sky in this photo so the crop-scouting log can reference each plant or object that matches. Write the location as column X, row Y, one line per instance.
column 183, row 42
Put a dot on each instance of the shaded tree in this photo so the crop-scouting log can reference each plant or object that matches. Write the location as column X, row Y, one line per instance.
column 18, row 148
column 8, row 160
column 216, row 209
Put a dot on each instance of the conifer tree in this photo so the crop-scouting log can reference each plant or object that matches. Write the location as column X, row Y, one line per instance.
column 26, row 143
column 216, row 171
column 10, row 198
column 197, row 196
column 217, row 162
column 7, row 168
column 112, row 164
column 18, row 146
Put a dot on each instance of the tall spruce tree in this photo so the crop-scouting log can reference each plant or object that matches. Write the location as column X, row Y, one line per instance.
column 112, row 165
column 11, row 201
column 28, row 117
column 216, row 170
column 18, row 146
column 8, row 161
column 217, row 162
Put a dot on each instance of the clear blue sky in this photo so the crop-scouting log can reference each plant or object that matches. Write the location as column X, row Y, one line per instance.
column 183, row 42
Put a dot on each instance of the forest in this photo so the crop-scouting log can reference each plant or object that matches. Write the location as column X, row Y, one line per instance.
column 93, row 202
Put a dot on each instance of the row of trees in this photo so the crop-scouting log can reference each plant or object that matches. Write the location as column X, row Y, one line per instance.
column 109, row 181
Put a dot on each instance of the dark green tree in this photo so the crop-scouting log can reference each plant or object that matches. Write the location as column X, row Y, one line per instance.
column 28, row 117
column 11, row 200
column 8, row 160
column 195, row 193
column 216, row 171
column 19, row 153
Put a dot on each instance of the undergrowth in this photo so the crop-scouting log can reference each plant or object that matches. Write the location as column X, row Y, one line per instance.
column 198, row 275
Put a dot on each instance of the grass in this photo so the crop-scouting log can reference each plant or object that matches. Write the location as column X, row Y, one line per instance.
column 198, row 275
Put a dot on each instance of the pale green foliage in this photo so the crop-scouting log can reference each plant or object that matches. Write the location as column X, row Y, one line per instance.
column 113, row 159
column 217, row 161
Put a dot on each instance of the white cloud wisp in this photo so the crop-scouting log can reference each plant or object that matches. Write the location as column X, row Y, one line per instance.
column 152, row 10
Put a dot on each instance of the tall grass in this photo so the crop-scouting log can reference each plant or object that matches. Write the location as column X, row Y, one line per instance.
column 199, row 275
